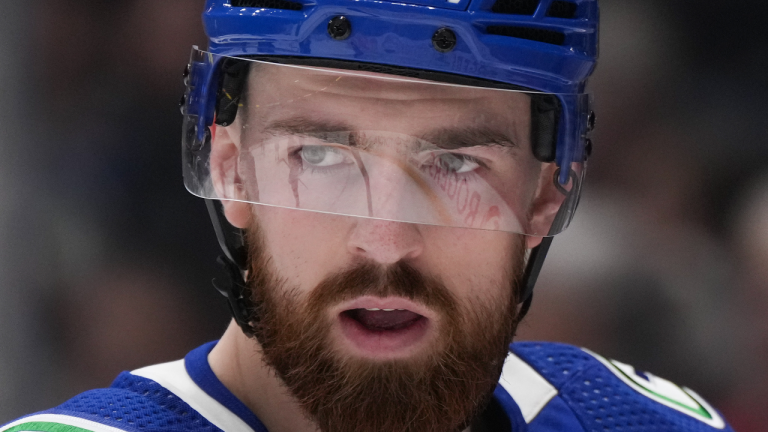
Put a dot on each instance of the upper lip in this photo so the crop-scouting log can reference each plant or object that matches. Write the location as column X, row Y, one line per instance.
column 369, row 302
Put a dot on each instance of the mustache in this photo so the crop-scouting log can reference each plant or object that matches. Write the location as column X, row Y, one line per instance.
column 368, row 278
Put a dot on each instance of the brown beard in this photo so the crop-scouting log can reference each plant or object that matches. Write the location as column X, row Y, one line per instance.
column 440, row 391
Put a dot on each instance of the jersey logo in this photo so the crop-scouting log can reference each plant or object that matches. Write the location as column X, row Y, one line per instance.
column 663, row 391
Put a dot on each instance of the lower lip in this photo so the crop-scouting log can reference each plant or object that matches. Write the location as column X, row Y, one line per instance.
column 383, row 344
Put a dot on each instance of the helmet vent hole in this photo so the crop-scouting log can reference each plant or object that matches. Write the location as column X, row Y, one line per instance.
column 534, row 34
column 516, row 7
column 268, row 4
column 562, row 9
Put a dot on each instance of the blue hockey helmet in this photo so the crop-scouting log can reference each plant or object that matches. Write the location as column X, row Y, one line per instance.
column 546, row 45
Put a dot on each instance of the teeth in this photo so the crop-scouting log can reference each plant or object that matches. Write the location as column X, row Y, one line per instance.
column 388, row 310
column 385, row 310
column 372, row 309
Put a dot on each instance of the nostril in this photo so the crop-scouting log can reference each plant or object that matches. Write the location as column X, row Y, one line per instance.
column 385, row 242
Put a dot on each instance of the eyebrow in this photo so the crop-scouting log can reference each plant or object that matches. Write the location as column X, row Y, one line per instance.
column 460, row 137
column 449, row 138
column 306, row 126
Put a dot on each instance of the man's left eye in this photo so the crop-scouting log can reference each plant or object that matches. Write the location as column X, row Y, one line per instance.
column 322, row 156
column 456, row 163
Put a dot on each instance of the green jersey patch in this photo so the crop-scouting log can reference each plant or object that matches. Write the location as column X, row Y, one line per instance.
column 56, row 423
column 45, row 427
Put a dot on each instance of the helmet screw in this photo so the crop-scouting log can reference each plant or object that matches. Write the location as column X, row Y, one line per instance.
column 444, row 40
column 186, row 72
column 183, row 100
column 339, row 27
column 591, row 121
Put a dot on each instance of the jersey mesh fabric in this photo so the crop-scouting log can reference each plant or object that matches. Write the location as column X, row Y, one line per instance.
column 557, row 363
column 599, row 399
column 136, row 403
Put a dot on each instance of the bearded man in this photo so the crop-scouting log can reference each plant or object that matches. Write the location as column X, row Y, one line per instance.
column 385, row 180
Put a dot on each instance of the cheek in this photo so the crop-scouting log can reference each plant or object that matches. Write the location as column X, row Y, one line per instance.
column 304, row 246
column 473, row 263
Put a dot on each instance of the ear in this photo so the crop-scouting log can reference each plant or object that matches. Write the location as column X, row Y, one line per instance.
column 532, row 241
column 225, row 151
column 545, row 206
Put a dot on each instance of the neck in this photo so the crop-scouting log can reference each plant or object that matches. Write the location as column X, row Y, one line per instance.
column 239, row 364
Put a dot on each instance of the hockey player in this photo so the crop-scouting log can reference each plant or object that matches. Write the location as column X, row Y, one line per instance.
column 385, row 179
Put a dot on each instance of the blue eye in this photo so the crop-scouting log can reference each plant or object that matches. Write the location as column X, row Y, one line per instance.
column 456, row 163
column 322, row 156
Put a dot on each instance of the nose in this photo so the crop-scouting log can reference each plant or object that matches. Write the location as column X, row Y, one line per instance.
column 385, row 242
column 397, row 191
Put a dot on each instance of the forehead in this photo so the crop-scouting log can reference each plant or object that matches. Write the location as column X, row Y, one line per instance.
column 381, row 102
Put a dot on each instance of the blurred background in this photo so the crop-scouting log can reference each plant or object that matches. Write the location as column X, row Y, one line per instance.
column 106, row 261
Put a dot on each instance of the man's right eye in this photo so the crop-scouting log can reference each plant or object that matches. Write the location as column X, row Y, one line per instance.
column 322, row 156
column 456, row 163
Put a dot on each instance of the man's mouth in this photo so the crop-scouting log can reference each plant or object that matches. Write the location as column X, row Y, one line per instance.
column 383, row 328
column 381, row 320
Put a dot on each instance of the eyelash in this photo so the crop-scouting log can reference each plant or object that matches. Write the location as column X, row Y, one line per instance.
column 471, row 175
column 471, row 158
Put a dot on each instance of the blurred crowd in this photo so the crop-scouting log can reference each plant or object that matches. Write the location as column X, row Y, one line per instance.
column 106, row 261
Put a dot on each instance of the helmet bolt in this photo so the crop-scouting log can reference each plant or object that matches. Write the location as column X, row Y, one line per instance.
column 186, row 72
column 591, row 121
column 339, row 27
column 183, row 100
column 444, row 40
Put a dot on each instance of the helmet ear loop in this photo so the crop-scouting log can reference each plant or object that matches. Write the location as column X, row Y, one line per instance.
column 539, row 253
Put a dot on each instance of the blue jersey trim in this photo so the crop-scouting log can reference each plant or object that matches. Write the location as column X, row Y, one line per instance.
column 201, row 373
column 511, row 408
column 557, row 416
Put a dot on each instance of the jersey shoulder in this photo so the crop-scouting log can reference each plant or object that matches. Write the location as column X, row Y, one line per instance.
column 562, row 387
column 132, row 403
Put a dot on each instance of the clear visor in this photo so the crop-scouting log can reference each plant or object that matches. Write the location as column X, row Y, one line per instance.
column 375, row 146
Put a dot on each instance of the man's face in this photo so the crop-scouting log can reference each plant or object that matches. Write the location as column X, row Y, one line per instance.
column 377, row 324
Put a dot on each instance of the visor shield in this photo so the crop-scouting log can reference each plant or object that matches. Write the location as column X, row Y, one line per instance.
column 376, row 146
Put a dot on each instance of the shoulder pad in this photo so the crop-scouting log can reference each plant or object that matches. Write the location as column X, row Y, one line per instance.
column 561, row 384
column 133, row 403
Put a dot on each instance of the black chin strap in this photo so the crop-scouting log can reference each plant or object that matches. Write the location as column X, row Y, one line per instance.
column 532, row 270
column 236, row 293
column 539, row 253
column 234, row 260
